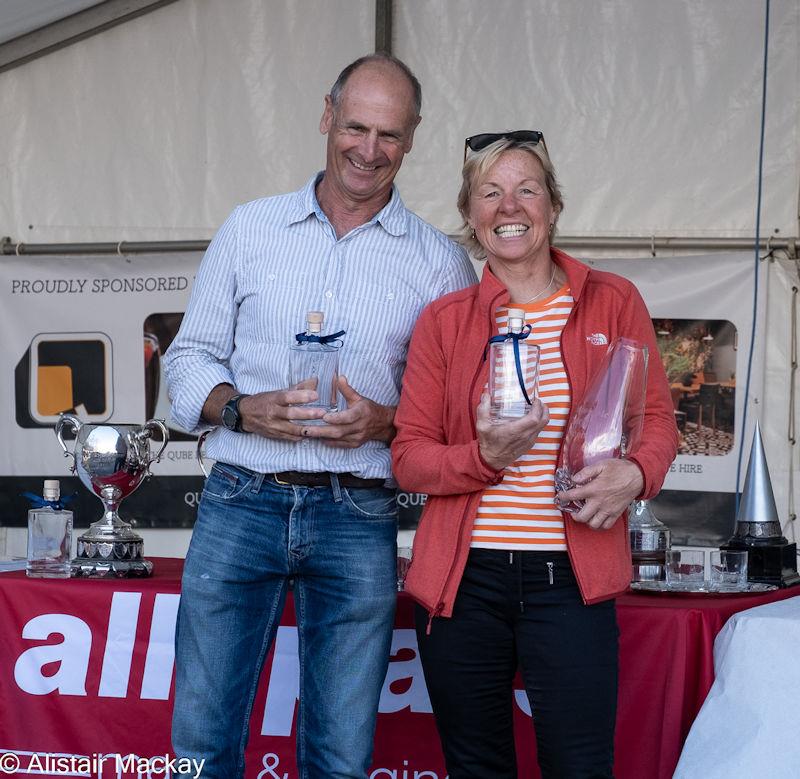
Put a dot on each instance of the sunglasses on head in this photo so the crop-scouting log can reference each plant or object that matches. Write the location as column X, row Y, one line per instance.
column 478, row 142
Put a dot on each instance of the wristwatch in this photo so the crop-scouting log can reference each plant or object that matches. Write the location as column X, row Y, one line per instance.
column 231, row 417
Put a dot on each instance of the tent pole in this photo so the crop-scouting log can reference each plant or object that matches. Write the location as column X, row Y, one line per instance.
column 650, row 244
column 383, row 26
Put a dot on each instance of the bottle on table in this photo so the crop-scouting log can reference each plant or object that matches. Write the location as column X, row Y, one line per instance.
column 513, row 370
column 314, row 364
column 49, row 535
column 650, row 540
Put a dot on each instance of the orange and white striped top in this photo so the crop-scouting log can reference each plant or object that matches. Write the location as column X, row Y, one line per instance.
column 520, row 511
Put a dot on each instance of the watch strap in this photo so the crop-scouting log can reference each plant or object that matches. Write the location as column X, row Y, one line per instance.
column 233, row 405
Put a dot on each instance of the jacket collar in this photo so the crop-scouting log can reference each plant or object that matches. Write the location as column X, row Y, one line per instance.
column 492, row 293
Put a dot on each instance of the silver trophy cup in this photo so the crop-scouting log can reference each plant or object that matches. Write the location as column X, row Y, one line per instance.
column 111, row 461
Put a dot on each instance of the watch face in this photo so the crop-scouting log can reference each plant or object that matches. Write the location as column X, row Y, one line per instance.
column 229, row 417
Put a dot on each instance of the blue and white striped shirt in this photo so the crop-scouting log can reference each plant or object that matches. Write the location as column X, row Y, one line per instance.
column 272, row 261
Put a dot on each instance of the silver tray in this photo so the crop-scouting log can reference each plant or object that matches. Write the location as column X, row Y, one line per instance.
column 705, row 588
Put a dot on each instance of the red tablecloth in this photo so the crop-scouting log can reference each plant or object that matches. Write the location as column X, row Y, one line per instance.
column 666, row 671
column 86, row 669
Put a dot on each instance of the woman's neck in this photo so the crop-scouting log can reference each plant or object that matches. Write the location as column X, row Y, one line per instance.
column 527, row 283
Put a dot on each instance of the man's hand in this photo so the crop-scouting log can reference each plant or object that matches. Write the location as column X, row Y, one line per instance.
column 504, row 443
column 363, row 420
column 271, row 414
column 607, row 487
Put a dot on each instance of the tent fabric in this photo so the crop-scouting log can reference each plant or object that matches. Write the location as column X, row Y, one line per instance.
column 156, row 128
column 650, row 110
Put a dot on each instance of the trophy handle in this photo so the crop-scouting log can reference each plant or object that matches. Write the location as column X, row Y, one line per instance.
column 75, row 424
column 157, row 424
column 201, row 439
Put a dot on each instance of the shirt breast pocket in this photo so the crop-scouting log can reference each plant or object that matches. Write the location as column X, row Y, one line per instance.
column 273, row 303
column 381, row 322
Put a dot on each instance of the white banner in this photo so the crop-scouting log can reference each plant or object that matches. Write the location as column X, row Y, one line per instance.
column 86, row 334
column 702, row 309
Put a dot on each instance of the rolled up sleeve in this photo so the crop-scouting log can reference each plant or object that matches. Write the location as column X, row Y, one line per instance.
column 199, row 357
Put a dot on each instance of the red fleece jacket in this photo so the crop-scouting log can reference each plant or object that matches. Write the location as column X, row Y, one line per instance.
column 436, row 448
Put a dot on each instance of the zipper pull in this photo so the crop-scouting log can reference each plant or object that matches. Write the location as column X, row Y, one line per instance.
column 550, row 572
column 435, row 613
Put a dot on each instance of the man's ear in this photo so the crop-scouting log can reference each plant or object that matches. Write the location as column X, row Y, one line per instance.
column 326, row 122
column 410, row 139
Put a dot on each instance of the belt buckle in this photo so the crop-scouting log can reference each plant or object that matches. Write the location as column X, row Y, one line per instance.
column 282, row 483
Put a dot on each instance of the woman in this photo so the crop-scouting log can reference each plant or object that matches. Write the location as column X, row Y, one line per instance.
column 502, row 576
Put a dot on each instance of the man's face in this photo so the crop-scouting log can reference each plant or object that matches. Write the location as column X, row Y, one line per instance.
column 369, row 133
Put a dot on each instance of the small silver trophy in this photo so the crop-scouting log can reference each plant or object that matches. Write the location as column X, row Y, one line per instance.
column 111, row 461
column 771, row 559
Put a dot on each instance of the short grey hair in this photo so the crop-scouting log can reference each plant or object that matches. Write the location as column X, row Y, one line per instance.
column 377, row 57
column 477, row 165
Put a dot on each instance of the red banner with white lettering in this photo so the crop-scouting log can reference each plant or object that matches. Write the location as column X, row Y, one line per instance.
column 87, row 677
column 87, row 674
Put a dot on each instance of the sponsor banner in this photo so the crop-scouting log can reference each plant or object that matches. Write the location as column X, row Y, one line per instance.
column 87, row 680
column 86, row 335
column 87, row 674
column 702, row 310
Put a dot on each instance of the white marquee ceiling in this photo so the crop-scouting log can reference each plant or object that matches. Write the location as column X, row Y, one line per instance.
column 19, row 17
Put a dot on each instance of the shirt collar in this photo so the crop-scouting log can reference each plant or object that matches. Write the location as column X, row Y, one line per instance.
column 393, row 217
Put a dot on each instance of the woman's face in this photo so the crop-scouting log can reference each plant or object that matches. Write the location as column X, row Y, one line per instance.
column 510, row 210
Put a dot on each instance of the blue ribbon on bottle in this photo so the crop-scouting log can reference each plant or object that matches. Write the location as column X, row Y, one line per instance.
column 515, row 338
column 319, row 339
column 38, row 502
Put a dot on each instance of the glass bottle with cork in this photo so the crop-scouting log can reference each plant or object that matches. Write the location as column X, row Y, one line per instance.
column 513, row 370
column 49, row 534
column 314, row 364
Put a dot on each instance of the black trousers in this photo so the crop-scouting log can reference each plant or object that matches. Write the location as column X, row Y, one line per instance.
column 522, row 609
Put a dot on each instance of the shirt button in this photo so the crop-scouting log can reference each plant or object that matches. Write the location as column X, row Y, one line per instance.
column 328, row 294
column 390, row 295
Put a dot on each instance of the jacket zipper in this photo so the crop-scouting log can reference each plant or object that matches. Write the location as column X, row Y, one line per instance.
column 431, row 614
column 440, row 603
column 559, row 462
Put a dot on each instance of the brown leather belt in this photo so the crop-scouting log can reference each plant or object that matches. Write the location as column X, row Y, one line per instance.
column 323, row 479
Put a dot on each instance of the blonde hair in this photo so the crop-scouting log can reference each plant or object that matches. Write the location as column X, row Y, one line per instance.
column 477, row 165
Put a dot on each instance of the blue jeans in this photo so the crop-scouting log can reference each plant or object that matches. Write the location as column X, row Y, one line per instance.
column 251, row 536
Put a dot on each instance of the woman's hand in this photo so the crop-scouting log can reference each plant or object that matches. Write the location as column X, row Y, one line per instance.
column 607, row 487
column 505, row 442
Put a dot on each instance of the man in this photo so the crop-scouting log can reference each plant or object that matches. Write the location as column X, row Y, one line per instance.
column 288, row 500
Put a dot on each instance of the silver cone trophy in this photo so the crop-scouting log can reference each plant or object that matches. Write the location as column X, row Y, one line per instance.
column 757, row 519
column 771, row 559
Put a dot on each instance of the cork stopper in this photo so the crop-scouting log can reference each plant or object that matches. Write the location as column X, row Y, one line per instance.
column 314, row 320
column 516, row 319
column 52, row 489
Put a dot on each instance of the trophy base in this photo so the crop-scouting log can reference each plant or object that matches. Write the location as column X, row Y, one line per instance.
column 110, row 558
column 84, row 568
column 769, row 563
